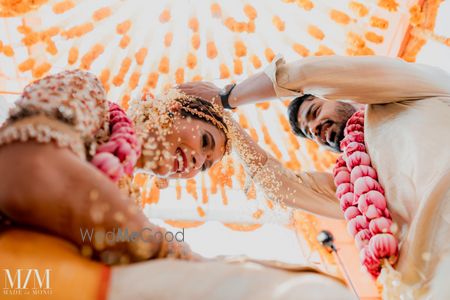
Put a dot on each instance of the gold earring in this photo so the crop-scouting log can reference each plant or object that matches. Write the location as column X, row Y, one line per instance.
column 161, row 183
column 166, row 121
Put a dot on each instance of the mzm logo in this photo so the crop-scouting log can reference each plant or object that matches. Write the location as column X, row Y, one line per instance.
column 26, row 282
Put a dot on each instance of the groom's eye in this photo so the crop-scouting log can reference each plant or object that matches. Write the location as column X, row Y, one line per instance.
column 316, row 111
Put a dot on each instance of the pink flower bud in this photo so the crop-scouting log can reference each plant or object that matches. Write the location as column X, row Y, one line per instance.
column 383, row 245
column 130, row 139
column 351, row 212
column 370, row 261
column 380, row 225
column 353, row 147
column 342, row 177
column 118, row 125
column 353, row 128
column 340, row 169
column 362, row 171
column 358, row 158
column 362, row 238
column 363, row 204
column 373, row 212
column 365, row 184
column 124, row 129
column 356, row 120
column 357, row 224
column 376, row 198
column 343, row 189
column 346, row 200
column 123, row 151
column 110, row 147
column 340, row 162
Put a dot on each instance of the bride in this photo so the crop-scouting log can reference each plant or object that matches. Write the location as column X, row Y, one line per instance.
column 65, row 117
column 58, row 144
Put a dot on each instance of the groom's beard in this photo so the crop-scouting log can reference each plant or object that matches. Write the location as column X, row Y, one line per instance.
column 344, row 111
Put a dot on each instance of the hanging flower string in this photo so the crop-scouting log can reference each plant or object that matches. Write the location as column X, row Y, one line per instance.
column 119, row 155
column 362, row 200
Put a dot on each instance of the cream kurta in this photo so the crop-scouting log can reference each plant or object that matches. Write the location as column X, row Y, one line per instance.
column 181, row 280
column 407, row 125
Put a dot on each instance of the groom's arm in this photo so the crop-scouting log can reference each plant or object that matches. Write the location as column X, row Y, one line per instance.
column 363, row 79
column 366, row 80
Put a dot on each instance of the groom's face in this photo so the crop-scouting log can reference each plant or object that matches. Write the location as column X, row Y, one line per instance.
column 324, row 121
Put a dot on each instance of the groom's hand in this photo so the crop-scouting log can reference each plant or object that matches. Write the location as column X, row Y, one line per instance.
column 202, row 89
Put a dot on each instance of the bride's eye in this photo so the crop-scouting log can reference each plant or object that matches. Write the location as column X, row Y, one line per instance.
column 204, row 140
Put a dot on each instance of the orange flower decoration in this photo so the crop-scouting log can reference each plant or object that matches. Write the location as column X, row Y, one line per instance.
column 224, row 71
column 124, row 41
column 390, row 5
column 379, row 22
column 164, row 65
column 373, row 37
column 41, row 70
column 250, row 12
column 256, row 62
column 152, row 80
column 140, row 56
column 26, row 65
column 179, row 76
column 63, row 6
column 216, row 11
column 123, row 27
column 339, row 17
column 193, row 24
column 195, row 41
column 101, row 13
column 191, row 61
column 278, row 23
column 164, row 17
column 134, row 80
column 315, row 32
column 358, row 8
column 300, row 49
column 324, row 50
column 305, row 4
column 211, row 50
column 238, row 68
column 269, row 54
column 168, row 38
column 18, row 8
column 240, row 49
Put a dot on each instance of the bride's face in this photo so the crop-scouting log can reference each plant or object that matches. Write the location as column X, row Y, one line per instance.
column 192, row 146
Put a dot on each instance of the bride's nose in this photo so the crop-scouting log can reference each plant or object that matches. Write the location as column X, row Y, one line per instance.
column 198, row 159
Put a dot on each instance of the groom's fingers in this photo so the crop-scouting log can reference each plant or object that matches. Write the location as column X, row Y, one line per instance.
column 182, row 86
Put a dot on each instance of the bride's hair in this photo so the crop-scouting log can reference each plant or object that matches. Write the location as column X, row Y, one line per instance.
column 151, row 112
column 202, row 110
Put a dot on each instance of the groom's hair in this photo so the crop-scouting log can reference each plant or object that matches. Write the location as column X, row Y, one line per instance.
column 293, row 108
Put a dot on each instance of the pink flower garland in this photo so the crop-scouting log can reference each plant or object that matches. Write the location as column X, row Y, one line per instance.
column 362, row 199
column 119, row 155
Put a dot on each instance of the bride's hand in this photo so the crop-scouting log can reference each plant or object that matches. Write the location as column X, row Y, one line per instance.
column 202, row 89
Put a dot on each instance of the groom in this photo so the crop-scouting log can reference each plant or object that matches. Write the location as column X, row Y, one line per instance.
column 406, row 121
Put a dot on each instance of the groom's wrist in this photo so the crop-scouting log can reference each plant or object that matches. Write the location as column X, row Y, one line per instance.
column 225, row 96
